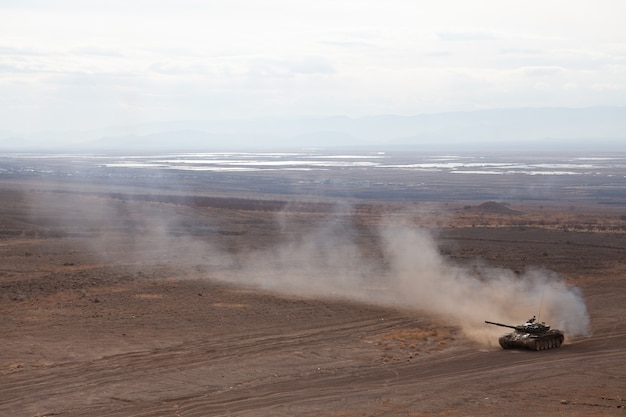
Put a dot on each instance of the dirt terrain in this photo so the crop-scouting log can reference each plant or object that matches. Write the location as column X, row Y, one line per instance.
column 119, row 306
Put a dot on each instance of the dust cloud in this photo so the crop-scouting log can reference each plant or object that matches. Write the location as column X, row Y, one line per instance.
column 420, row 277
column 414, row 274
column 125, row 230
column 407, row 269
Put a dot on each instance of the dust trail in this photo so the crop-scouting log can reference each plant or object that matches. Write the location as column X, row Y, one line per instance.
column 117, row 230
column 422, row 278
column 328, row 260
column 415, row 275
column 323, row 262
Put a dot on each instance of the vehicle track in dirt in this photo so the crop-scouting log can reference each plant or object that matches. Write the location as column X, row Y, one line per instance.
column 134, row 330
column 332, row 368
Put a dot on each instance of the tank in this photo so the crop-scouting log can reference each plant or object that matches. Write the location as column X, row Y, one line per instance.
column 530, row 335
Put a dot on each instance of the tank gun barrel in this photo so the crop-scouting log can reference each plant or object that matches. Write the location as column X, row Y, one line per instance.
column 501, row 325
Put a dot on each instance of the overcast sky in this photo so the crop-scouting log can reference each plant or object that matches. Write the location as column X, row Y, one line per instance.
column 77, row 64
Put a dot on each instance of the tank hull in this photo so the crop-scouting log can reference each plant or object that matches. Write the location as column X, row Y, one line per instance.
column 520, row 340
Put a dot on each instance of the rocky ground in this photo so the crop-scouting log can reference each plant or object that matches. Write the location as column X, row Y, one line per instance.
column 119, row 307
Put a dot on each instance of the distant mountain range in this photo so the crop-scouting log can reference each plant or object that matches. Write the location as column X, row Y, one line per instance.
column 594, row 128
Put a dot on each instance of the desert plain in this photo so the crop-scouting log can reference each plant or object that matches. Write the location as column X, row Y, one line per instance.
column 171, row 296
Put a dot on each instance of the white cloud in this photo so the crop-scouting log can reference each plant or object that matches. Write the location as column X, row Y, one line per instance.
column 466, row 36
column 543, row 71
column 283, row 58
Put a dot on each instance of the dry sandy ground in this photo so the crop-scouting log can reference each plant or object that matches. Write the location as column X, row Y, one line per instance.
column 94, row 324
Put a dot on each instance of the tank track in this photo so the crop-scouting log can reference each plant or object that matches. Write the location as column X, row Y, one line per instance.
column 532, row 343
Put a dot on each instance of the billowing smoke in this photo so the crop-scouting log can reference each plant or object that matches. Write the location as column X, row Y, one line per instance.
column 413, row 274
column 402, row 268
column 323, row 262
column 121, row 230
column 422, row 278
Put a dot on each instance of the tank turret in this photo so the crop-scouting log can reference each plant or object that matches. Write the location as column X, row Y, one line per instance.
column 530, row 335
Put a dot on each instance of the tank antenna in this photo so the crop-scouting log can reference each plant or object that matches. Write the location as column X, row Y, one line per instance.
column 543, row 290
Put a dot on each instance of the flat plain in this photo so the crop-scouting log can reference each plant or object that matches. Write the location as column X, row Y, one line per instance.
column 132, row 295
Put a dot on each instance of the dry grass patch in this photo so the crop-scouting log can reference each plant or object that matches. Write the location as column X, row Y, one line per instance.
column 147, row 296
column 406, row 344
